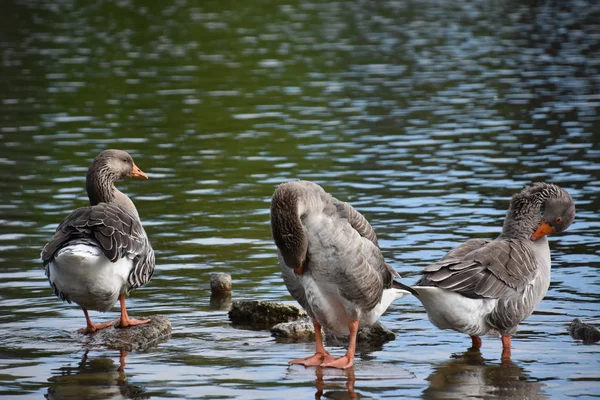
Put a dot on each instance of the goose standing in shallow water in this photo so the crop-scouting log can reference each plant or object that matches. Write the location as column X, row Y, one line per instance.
column 331, row 264
column 486, row 286
column 100, row 253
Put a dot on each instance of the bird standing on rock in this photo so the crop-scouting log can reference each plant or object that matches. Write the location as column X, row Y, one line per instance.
column 331, row 264
column 100, row 253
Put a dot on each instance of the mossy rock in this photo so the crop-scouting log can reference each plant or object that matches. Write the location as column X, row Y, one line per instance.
column 263, row 313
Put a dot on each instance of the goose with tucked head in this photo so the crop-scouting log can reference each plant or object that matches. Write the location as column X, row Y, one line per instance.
column 331, row 264
column 100, row 253
column 486, row 286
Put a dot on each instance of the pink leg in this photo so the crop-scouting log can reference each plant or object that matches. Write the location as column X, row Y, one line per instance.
column 320, row 353
column 125, row 321
column 347, row 360
column 90, row 326
column 505, row 349
column 476, row 342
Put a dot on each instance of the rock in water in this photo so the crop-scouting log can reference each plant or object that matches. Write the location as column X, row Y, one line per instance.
column 220, row 284
column 581, row 331
column 303, row 330
column 140, row 337
column 300, row 330
column 263, row 313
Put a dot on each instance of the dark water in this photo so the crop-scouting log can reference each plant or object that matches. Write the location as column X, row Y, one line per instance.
column 425, row 115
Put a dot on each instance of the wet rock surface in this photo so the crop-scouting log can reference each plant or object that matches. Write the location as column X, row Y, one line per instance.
column 300, row 330
column 579, row 330
column 139, row 337
column 303, row 330
column 263, row 313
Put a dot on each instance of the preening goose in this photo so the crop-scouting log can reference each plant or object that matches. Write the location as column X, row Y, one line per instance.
column 100, row 253
column 486, row 286
column 331, row 264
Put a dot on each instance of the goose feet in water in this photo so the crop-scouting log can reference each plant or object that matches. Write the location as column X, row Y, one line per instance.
column 125, row 321
column 321, row 355
column 347, row 360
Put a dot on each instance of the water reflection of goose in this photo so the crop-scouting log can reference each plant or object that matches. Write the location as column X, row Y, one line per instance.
column 331, row 264
column 471, row 377
column 100, row 253
column 95, row 378
column 485, row 286
column 335, row 390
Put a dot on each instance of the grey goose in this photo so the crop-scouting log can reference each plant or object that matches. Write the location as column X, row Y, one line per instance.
column 490, row 286
column 331, row 264
column 100, row 253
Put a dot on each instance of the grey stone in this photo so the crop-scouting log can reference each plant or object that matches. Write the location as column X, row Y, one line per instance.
column 263, row 313
column 300, row 330
column 303, row 330
column 220, row 284
column 139, row 337
column 581, row 331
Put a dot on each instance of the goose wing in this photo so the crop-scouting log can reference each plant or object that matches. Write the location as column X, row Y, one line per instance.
column 483, row 269
column 359, row 270
column 118, row 233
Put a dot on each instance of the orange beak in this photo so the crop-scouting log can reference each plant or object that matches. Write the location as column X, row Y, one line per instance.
column 138, row 173
column 543, row 230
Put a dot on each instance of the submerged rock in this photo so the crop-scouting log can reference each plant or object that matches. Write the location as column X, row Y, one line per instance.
column 220, row 302
column 263, row 313
column 581, row 331
column 139, row 337
column 303, row 330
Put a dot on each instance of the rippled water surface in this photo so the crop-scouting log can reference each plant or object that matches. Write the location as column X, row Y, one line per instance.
column 425, row 115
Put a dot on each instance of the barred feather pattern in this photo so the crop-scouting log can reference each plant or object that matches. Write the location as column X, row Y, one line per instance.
column 115, row 230
column 512, row 269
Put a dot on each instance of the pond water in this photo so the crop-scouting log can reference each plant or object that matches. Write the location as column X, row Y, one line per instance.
column 425, row 115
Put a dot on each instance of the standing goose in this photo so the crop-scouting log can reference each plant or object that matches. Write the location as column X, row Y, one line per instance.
column 331, row 264
column 486, row 286
column 100, row 253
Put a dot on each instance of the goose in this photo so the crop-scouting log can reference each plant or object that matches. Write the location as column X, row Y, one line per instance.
column 331, row 264
column 100, row 253
column 490, row 286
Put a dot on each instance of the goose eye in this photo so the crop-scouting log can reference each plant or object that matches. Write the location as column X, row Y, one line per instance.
column 558, row 220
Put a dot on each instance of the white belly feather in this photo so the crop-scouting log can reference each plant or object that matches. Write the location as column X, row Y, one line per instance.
column 449, row 310
column 334, row 312
column 85, row 276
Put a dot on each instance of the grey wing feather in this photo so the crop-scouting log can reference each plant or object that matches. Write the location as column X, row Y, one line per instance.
column 371, row 270
column 118, row 233
column 356, row 220
column 496, row 269
column 363, row 281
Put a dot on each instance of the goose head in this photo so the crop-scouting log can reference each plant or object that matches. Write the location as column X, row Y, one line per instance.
column 107, row 168
column 116, row 165
column 558, row 213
